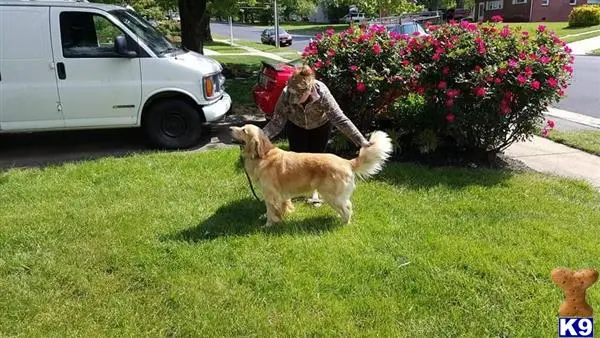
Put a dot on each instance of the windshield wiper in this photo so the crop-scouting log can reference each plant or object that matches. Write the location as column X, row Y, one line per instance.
column 168, row 50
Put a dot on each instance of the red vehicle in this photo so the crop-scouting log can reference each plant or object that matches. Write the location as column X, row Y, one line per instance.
column 271, row 81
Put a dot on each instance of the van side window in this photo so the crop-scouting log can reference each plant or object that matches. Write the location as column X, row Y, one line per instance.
column 88, row 35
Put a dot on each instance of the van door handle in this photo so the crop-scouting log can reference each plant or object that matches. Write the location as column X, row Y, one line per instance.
column 61, row 71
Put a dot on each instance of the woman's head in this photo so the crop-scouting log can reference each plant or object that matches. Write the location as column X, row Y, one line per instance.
column 301, row 84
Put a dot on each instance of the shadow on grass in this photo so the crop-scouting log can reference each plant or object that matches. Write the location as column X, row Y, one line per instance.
column 242, row 217
column 417, row 177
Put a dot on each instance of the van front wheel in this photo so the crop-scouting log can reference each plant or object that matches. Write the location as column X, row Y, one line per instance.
column 173, row 124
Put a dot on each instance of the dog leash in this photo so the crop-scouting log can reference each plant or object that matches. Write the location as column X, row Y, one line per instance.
column 248, row 176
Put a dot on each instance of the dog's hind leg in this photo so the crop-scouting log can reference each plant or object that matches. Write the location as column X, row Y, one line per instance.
column 288, row 207
column 342, row 203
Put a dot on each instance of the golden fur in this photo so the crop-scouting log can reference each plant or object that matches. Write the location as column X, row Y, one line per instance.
column 282, row 175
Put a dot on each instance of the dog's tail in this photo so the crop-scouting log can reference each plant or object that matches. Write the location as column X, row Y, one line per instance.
column 370, row 159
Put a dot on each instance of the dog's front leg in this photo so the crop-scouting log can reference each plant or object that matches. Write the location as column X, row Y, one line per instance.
column 273, row 213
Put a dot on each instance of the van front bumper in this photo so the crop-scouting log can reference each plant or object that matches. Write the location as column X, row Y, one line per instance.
column 215, row 111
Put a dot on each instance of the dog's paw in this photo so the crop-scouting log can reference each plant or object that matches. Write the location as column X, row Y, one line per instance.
column 263, row 216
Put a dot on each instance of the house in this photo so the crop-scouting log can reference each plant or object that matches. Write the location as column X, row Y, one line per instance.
column 527, row 10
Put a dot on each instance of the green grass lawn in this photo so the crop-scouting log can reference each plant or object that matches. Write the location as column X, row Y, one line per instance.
column 588, row 141
column 170, row 244
column 222, row 47
column 562, row 29
column 596, row 52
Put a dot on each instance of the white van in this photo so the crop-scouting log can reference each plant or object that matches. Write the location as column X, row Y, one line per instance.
column 80, row 65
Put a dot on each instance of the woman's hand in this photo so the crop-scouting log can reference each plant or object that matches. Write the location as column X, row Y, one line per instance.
column 367, row 144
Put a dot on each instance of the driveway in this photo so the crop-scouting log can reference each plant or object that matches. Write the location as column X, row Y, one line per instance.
column 56, row 148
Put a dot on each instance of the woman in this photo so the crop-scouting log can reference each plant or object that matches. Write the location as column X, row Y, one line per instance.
column 308, row 111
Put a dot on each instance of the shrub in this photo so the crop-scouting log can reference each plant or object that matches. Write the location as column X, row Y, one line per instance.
column 363, row 70
column 585, row 15
column 471, row 88
column 486, row 86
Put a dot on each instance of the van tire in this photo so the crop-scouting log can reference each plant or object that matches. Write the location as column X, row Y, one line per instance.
column 173, row 124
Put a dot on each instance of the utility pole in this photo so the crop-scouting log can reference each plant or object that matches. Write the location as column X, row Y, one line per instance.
column 276, row 24
column 231, row 30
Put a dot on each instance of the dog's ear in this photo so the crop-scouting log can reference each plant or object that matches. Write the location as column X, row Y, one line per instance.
column 260, row 145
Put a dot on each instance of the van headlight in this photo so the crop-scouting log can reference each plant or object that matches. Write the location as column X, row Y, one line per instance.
column 213, row 85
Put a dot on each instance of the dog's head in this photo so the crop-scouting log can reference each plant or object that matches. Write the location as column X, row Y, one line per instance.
column 255, row 143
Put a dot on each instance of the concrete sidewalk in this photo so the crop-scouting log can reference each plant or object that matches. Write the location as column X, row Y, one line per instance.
column 583, row 47
column 549, row 157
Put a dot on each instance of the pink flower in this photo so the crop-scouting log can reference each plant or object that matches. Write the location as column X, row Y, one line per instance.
column 330, row 32
column 545, row 60
column 449, row 103
column 504, row 107
column 480, row 46
column 477, row 69
column 331, row 53
column 561, row 93
column 498, row 81
column 361, row 87
column 522, row 56
column 446, row 70
column 552, row 82
column 479, row 91
column 318, row 36
column 353, row 68
column 541, row 28
column 512, row 63
column 377, row 49
column 450, row 117
column 568, row 69
column 545, row 132
column 452, row 93
column 505, row 32
column 442, row 85
column 497, row 18
column 521, row 79
column 318, row 64
column 567, row 49
column 535, row 85
column 436, row 57
column 550, row 123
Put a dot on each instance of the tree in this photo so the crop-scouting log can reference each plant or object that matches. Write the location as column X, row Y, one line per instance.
column 376, row 7
column 195, row 24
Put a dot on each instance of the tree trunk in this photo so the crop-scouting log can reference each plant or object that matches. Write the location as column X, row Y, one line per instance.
column 194, row 19
column 460, row 4
column 207, row 33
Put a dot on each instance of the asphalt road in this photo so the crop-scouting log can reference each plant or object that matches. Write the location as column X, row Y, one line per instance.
column 252, row 33
column 583, row 95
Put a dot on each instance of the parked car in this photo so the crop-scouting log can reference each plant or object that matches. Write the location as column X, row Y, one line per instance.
column 79, row 65
column 271, row 81
column 268, row 36
column 407, row 28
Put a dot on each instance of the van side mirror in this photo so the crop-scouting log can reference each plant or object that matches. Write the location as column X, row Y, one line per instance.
column 121, row 47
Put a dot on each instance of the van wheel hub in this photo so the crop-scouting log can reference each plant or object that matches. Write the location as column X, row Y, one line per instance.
column 173, row 125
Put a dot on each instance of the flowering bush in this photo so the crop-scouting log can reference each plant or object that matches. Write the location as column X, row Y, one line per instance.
column 585, row 15
column 475, row 88
column 363, row 70
column 487, row 85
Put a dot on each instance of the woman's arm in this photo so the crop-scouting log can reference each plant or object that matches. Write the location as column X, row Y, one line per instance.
column 342, row 122
column 279, row 119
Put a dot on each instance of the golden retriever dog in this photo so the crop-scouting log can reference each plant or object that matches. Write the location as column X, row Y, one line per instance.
column 283, row 175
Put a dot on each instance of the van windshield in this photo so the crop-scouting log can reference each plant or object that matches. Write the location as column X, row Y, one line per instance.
column 154, row 39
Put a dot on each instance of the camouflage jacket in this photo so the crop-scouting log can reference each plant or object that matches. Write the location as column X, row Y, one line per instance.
column 317, row 112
